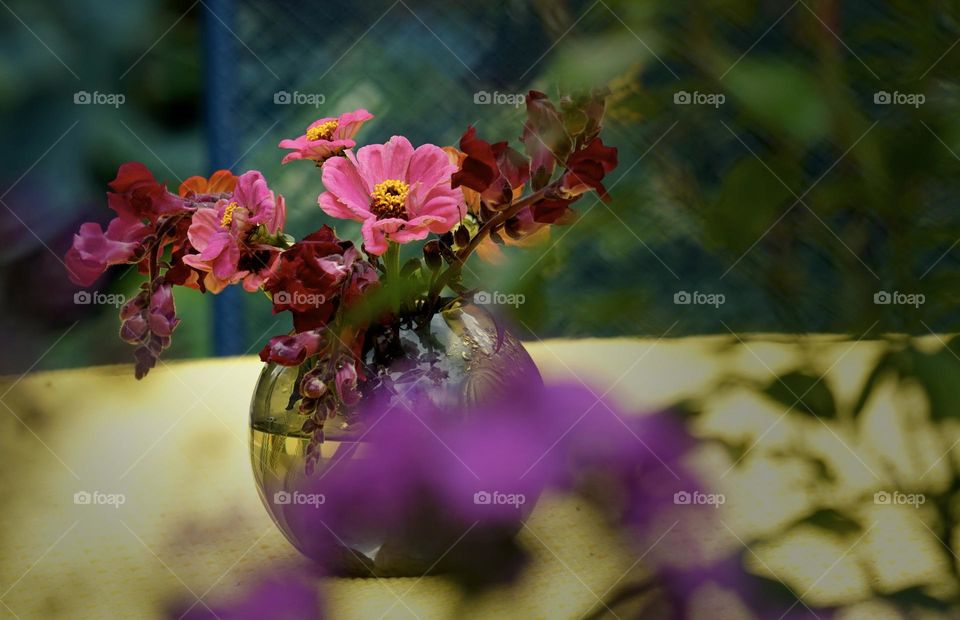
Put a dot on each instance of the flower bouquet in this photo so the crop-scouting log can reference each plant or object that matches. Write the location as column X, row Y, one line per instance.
column 226, row 230
column 366, row 324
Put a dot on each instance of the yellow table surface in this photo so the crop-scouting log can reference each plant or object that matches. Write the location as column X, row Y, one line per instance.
column 192, row 526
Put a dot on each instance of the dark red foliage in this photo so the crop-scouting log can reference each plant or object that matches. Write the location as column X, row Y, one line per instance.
column 494, row 170
column 312, row 277
column 553, row 211
column 479, row 168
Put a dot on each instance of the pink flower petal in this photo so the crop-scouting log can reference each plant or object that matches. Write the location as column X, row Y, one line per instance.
column 429, row 166
column 374, row 240
column 347, row 194
column 291, row 156
column 204, row 226
column 215, row 246
column 379, row 162
column 225, row 265
column 320, row 150
column 94, row 250
column 253, row 195
column 252, row 282
column 350, row 123
column 334, row 208
column 409, row 233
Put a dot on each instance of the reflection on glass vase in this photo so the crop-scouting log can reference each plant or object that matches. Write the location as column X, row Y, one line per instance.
column 462, row 357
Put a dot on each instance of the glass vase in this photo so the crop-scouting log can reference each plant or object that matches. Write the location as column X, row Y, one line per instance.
column 463, row 357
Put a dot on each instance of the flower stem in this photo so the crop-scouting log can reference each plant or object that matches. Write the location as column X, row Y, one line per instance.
column 391, row 266
column 490, row 226
column 391, row 261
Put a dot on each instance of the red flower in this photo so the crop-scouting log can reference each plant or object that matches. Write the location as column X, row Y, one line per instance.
column 553, row 211
column 137, row 195
column 494, row 170
column 315, row 275
column 587, row 167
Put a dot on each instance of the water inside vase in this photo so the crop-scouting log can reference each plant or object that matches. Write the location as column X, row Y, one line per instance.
column 278, row 468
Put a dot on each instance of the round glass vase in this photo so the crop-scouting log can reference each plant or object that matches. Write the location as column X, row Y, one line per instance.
column 468, row 358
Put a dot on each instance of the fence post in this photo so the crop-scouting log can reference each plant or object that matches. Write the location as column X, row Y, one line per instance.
column 219, row 92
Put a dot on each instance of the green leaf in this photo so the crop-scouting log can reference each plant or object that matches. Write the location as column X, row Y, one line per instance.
column 783, row 97
column 750, row 201
column 832, row 521
column 814, row 395
column 886, row 366
column 917, row 597
column 939, row 373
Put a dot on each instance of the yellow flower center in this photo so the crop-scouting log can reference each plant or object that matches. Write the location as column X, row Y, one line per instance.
column 323, row 131
column 389, row 199
column 228, row 214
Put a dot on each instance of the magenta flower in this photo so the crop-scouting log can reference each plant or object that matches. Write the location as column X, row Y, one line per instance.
column 228, row 235
column 139, row 201
column 293, row 350
column 400, row 194
column 148, row 321
column 94, row 250
column 326, row 137
column 346, row 382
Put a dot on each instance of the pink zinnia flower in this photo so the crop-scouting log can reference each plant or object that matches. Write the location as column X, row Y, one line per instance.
column 326, row 137
column 225, row 235
column 400, row 193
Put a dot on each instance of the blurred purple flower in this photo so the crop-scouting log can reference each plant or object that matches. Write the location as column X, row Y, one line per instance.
column 457, row 485
column 481, row 471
